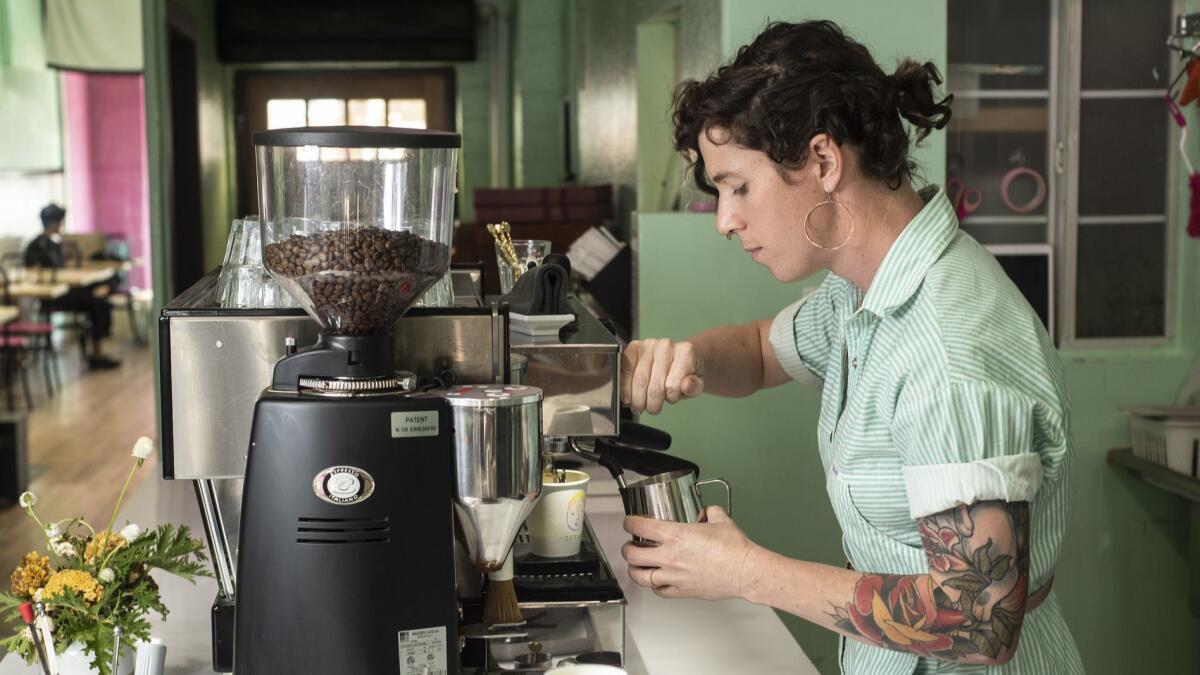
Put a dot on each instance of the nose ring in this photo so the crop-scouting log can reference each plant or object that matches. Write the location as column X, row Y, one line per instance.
column 728, row 236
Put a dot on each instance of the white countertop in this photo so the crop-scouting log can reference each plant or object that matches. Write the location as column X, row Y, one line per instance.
column 663, row 637
column 688, row 637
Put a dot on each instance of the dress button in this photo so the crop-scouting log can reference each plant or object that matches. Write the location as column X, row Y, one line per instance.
column 854, row 362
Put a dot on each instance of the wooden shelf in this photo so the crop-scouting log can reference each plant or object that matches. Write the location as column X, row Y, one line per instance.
column 1006, row 119
column 1178, row 484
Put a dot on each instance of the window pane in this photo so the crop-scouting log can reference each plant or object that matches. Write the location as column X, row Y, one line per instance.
column 1124, row 43
column 988, row 139
column 406, row 112
column 1122, row 156
column 1121, row 287
column 286, row 113
column 326, row 112
column 367, row 112
column 1006, row 233
column 998, row 44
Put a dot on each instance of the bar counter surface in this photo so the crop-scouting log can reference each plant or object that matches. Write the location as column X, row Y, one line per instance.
column 663, row 637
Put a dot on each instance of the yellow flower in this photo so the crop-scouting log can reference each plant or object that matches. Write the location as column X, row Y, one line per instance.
column 30, row 575
column 76, row 580
column 101, row 544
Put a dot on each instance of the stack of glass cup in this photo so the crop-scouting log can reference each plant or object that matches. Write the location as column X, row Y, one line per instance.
column 243, row 282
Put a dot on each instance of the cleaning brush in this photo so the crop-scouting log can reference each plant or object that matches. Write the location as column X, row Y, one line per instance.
column 500, row 605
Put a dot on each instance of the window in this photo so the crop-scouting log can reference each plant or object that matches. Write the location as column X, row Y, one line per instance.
column 420, row 98
column 1059, row 136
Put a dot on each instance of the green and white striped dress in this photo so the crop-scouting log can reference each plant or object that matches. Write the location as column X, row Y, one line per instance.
column 939, row 387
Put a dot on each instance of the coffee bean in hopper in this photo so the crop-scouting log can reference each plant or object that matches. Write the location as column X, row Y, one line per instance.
column 358, row 279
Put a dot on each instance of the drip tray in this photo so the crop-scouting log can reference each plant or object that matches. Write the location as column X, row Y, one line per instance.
column 585, row 577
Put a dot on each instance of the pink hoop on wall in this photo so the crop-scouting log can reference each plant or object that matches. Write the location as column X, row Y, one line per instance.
column 1032, row 204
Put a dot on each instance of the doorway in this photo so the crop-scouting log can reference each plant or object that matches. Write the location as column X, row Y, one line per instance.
column 187, row 232
column 274, row 99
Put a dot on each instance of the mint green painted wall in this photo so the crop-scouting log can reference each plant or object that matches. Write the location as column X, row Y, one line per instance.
column 539, row 87
column 1122, row 579
column 891, row 30
column 30, row 116
column 655, row 83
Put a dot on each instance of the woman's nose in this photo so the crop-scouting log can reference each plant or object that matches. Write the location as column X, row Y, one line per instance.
column 728, row 222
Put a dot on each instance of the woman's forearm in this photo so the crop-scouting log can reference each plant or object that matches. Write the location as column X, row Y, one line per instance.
column 733, row 359
column 969, row 608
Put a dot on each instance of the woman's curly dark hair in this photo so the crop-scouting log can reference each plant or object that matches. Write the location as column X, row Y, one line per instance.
column 800, row 79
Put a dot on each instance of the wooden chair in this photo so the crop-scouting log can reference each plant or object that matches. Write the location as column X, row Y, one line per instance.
column 38, row 335
column 13, row 352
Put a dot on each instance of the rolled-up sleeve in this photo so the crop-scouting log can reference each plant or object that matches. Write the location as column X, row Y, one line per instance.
column 802, row 335
column 968, row 442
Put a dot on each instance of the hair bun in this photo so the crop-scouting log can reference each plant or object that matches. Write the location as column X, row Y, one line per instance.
column 914, row 88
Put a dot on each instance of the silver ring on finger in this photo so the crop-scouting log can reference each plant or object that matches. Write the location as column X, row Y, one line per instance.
column 652, row 584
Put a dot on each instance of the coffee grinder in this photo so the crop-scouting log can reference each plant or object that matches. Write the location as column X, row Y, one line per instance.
column 355, row 472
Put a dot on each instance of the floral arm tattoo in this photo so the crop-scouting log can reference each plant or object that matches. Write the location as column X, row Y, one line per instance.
column 969, row 607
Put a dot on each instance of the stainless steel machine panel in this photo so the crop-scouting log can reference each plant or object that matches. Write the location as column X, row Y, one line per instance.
column 579, row 377
column 216, row 362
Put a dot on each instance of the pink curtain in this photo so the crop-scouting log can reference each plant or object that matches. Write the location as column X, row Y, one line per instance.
column 106, row 161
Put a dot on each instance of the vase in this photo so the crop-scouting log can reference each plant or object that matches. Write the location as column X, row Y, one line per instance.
column 77, row 660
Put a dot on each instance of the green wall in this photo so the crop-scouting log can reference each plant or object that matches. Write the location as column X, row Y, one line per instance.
column 539, row 87
column 1122, row 579
column 30, row 116
column 217, row 178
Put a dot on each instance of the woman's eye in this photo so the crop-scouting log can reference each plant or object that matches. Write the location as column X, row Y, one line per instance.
column 741, row 190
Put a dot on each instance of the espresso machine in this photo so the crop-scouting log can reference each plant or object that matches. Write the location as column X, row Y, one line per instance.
column 356, row 471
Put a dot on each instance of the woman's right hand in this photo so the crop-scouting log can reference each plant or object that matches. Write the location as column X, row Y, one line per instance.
column 653, row 371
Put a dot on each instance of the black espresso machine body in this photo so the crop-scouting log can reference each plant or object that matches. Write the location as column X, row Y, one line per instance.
column 345, row 565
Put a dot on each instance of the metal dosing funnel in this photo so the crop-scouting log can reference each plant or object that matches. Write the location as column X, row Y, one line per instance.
column 497, row 446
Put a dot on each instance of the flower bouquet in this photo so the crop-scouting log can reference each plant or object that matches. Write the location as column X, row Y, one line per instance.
column 94, row 582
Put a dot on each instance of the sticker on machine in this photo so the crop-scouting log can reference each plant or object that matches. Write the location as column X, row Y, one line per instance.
column 408, row 423
column 423, row 651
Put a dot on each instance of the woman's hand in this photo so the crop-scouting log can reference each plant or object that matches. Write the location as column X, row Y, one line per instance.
column 705, row 560
column 653, row 371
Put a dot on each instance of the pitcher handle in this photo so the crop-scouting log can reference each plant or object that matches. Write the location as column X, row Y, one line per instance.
column 728, row 492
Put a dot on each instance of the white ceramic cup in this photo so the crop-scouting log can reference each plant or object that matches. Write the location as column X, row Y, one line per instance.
column 556, row 523
column 586, row 669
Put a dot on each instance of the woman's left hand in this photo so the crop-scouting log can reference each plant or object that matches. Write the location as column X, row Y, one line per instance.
column 703, row 560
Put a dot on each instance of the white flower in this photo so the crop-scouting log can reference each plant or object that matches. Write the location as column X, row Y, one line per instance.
column 26, row 634
column 52, row 532
column 131, row 532
column 107, row 575
column 143, row 448
column 27, row 499
column 37, row 595
column 63, row 549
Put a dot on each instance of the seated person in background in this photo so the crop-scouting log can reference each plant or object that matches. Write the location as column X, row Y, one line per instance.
column 47, row 251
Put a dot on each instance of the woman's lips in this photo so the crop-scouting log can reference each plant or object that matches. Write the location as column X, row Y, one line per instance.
column 755, row 252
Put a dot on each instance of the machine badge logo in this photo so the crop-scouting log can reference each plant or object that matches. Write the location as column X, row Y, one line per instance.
column 343, row 485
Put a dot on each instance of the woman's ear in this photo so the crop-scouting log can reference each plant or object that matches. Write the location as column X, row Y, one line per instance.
column 827, row 160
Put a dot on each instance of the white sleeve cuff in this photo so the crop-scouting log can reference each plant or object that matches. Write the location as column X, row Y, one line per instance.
column 939, row 487
column 783, row 341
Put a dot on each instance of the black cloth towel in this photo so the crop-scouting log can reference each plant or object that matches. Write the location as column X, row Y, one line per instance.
column 543, row 289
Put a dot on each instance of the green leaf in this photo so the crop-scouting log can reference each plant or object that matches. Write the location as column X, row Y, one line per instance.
column 981, row 643
column 1000, row 569
column 966, row 583
column 964, row 646
column 983, row 557
column 1003, row 630
column 966, row 604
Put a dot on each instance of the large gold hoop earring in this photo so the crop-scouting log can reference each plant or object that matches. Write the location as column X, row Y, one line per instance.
column 829, row 200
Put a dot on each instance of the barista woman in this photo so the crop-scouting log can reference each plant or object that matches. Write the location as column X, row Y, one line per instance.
column 944, row 426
